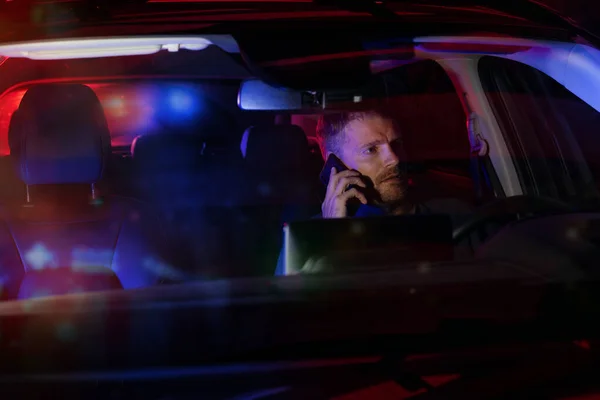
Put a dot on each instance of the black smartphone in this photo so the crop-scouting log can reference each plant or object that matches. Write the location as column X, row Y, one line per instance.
column 334, row 162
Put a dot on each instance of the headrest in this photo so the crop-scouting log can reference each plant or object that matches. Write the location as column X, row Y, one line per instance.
column 164, row 152
column 181, row 169
column 59, row 135
column 275, row 146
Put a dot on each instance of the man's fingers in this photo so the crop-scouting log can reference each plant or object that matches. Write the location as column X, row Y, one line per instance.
column 347, row 181
column 335, row 177
column 332, row 172
column 353, row 193
column 347, row 172
column 334, row 205
column 332, row 181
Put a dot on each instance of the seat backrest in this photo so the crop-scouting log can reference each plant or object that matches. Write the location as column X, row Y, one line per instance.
column 280, row 187
column 189, row 179
column 59, row 145
column 277, row 160
column 166, row 169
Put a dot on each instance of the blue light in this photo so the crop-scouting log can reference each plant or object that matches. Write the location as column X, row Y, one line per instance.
column 182, row 102
column 180, row 107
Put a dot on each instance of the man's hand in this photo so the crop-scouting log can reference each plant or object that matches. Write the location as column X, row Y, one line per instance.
column 338, row 194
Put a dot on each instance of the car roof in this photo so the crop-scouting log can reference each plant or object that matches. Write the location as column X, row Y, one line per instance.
column 43, row 19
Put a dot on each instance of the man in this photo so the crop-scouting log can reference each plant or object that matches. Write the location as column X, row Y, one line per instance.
column 369, row 144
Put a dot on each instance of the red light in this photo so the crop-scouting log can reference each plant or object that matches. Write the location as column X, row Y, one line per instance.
column 584, row 344
column 10, row 102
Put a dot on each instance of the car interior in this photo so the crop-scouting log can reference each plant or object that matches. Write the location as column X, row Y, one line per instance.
column 167, row 230
column 105, row 165
column 130, row 171
column 171, row 175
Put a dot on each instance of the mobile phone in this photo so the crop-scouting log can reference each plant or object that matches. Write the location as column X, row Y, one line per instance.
column 334, row 162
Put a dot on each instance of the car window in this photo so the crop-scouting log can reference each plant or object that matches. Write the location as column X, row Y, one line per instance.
column 168, row 179
column 551, row 133
column 432, row 114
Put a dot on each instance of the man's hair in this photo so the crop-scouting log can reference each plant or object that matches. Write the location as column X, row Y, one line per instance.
column 330, row 128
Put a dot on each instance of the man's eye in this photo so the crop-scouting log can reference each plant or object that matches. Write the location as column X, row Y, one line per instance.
column 369, row 150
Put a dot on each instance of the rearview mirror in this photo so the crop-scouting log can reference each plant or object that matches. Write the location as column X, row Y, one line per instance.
column 254, row 94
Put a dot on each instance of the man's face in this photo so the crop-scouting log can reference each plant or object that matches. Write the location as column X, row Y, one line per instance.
column 372, row 146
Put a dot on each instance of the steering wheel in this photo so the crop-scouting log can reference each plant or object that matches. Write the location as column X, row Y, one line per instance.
column 521, row 204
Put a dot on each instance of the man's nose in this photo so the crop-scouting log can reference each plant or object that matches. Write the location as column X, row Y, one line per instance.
column 391, row 156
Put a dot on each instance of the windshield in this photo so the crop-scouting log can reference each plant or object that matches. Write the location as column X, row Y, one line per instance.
column 193, row 165
column 376, row 195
